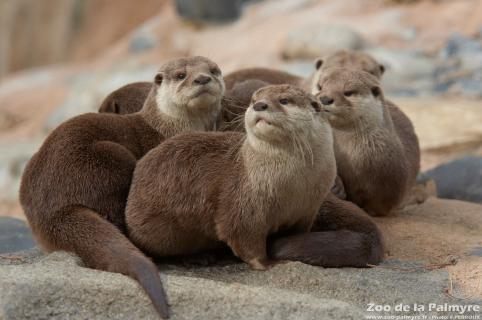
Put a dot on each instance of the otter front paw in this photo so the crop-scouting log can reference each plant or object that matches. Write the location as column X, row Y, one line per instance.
column 261, row 264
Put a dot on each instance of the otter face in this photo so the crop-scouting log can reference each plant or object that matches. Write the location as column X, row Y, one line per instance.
column 277, row 113
column 349, row 60
column 350, row 97
column 189, row 85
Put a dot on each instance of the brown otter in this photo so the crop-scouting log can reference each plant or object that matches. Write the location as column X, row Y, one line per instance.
column 74, row 189
column 242, row 83
column 376, row 160
column 199, row 191
column 346, row 215
column 127, row 99
column 343, row 235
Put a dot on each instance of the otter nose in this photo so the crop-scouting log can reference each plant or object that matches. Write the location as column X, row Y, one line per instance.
column 202, row 79
column 326, row 100
column 260, row 106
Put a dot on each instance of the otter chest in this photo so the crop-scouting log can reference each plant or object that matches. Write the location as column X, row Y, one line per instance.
column 290, row 193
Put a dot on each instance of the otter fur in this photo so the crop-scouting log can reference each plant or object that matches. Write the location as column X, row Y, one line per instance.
column 74, row 189
column 201, row 191
column 377, row 161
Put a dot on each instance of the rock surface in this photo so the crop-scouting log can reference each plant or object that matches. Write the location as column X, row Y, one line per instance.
column 209, row 10
column 56, row 287
column 312, row 41
column 446, row 126
column 433, row 259
column 468, row 183
column 15, row 235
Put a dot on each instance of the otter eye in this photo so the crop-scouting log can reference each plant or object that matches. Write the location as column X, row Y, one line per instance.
column 318, row 86
column 158, row 79
column 283, row 101
column 180, row 75
column 215, row 71
column 349, row 93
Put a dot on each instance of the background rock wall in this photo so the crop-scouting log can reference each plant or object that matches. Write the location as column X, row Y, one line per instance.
column 39, row 32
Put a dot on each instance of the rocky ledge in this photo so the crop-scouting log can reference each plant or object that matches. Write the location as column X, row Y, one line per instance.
column 435, row 260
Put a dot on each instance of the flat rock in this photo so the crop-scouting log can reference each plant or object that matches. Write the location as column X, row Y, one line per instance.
column 312, row 41
column 444, row 124
column 15, row 235
column 57, row 287
column 468, row 182
column 433, row 257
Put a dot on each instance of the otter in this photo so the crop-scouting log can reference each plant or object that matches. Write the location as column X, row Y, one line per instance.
column 342, row 214
column 131, row 97
column 202, row 191
column 74, row 189
column 242, row 83
column 127, row 99
column 376, row 160
column 343, row 235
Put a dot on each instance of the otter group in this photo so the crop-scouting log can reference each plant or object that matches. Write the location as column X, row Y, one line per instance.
column 144, row 177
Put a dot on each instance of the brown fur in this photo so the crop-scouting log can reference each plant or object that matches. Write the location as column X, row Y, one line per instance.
column 131, row 97
column 74, row 189
column 354, row 60
column 343, row 235
column 199, row 192
column 127, row 99
column 377, row 161
column 267, row 75
column 240, row 86
column 242, row 83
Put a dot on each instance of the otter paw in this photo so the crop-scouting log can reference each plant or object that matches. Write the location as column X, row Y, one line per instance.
column 261, row 264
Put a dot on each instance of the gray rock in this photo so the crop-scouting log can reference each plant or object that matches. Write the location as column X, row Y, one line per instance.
column 459, row 179
column 87, row 90
column 301, row 68
column 209, row 10
column 458, row 44
column 141, row 42
column 56, row 287
column 477, row 252
column 13, row 158
column 392, row 283
column 468, row 87
column 15, row 235
column 408, row 72
column 312, row 41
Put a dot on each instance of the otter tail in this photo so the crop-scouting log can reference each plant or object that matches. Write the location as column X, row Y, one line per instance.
column 344, row 236
column 101, row 246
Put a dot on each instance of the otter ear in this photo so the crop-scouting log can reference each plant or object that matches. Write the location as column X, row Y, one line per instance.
column 376, row 91
column 111, row 107
column 318, row 63
column 316, row 105
column 158, row 79
column 382, row 68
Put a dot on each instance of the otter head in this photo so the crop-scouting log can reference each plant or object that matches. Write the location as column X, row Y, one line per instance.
column 189, row 88
column 282, row 113
column 351, row 98
column 353, row 60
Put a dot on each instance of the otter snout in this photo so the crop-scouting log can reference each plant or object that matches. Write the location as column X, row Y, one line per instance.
column 325, row 100
column 202, row 79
